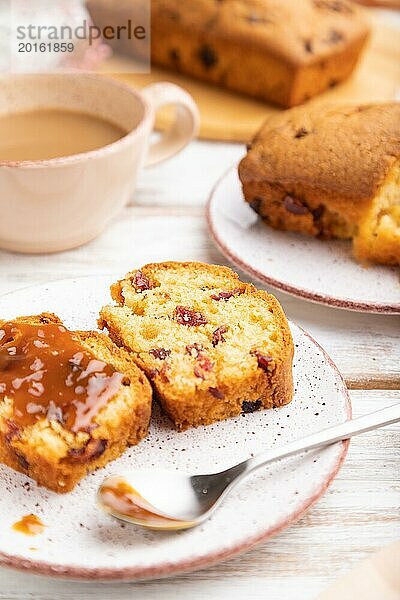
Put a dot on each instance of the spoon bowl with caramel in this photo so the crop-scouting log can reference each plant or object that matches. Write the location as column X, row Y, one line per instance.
column 170, row 500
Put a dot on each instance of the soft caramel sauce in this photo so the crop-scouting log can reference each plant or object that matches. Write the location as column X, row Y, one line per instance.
column 47, row 373
column 121, row 498
column 29, row 525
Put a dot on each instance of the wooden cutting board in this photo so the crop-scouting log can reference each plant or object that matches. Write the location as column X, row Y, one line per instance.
column 376, row 577
column 232, row 117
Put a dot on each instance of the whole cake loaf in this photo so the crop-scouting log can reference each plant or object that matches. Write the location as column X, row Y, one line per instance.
column 282, row 51
column 330, row 173
column 213, row 346
column 69, row 401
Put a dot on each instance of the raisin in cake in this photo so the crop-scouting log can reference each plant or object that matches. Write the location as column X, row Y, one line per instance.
column 69, row 401
column 281, row 51
column 212, row 345
column 330, row 172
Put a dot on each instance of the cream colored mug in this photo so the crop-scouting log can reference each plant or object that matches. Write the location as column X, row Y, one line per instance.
column 60, row 203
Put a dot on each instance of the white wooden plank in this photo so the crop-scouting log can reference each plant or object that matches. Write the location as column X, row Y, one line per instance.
column 365, row 347
column 358, row 515
column 189, row 177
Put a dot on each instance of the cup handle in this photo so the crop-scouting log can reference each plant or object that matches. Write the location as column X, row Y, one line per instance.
column 184, row 127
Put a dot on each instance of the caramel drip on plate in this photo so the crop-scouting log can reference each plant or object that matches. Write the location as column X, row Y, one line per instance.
column 29, row 525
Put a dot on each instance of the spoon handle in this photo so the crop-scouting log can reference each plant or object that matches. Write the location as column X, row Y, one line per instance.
column 343, row 431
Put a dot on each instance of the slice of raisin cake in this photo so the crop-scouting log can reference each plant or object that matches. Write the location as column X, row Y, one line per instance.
column 212, row 346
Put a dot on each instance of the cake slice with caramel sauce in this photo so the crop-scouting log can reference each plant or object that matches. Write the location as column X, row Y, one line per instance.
column 69, row 401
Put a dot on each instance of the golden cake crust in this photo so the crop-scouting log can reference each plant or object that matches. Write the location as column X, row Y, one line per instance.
column 212, row 345
column 57, row 458
column 293, row 50
column 330, row 172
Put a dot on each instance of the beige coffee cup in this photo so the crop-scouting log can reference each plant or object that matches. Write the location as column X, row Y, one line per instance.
column 60, row 203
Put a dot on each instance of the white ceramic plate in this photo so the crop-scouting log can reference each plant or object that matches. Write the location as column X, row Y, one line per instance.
column 320, row 271
column 81, row 542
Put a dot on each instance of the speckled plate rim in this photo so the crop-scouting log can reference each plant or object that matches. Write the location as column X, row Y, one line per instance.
column 169, row 569
column 316, row 297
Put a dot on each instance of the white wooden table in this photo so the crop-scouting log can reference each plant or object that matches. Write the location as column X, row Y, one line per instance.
column 359, row 513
